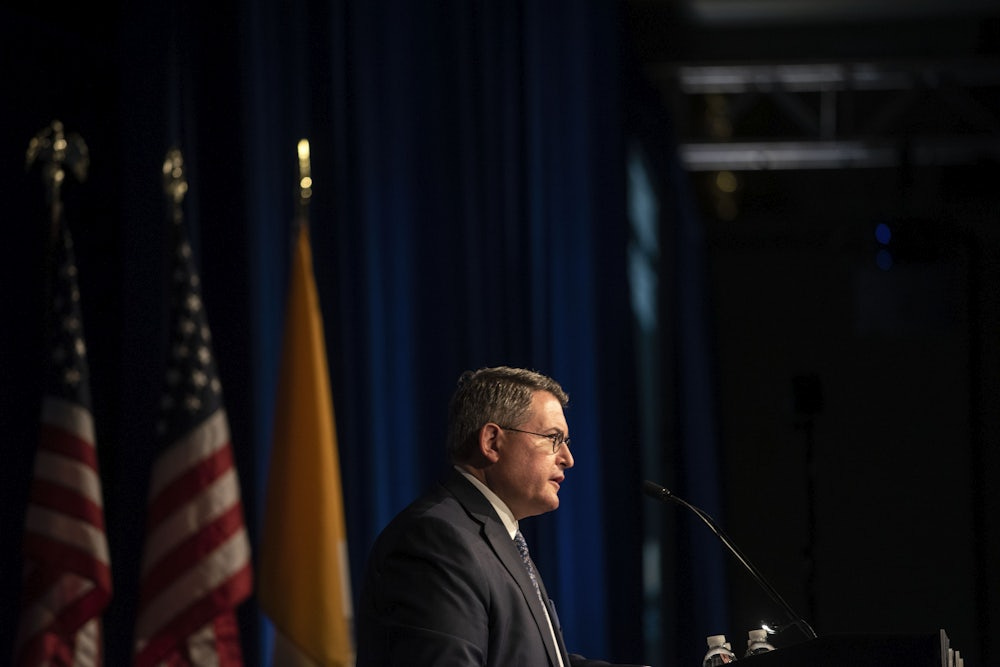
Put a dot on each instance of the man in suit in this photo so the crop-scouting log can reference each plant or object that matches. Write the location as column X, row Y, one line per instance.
column 446, row 583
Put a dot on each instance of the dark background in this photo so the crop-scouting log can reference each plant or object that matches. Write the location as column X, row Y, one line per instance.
column 841, row 419
column 858, row 406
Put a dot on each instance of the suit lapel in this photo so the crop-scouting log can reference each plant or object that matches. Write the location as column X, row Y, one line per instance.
column 503, row 546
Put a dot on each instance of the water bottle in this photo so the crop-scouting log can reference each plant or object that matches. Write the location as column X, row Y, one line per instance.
column 757, row 642
column 719, row 652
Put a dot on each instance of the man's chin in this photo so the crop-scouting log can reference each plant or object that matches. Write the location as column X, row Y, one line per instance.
column 551, row 504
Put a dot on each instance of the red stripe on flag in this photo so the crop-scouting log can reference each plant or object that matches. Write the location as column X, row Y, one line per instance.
column 189, row 552
column 63, row 557
column 72, row 616
column 188, row 484
column 46, row 648
column 68, row 501
column 228, row 632
column 225, row 633
column 59, row 440
column 195, row 616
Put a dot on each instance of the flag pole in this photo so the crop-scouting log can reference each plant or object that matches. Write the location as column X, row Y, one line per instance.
column 56, row 152
column 67, row 580
column 195, row 572
column 304, row 581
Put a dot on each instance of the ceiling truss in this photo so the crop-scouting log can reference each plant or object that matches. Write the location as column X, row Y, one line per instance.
column 834, row 115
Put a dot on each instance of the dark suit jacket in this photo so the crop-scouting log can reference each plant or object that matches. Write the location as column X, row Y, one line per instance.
column 445, row 586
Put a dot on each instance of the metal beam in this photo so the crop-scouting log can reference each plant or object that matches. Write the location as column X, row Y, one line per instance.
column 776, row 155
column 818, row 101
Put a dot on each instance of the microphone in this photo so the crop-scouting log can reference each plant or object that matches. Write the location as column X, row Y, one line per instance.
column 660, row 493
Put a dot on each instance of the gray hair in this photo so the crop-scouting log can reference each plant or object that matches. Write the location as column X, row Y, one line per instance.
column 501, row 395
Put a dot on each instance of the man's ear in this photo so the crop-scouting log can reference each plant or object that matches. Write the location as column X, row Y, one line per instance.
column 489, row 442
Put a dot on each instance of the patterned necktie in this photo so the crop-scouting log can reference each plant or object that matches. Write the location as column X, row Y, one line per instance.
column 522, row 547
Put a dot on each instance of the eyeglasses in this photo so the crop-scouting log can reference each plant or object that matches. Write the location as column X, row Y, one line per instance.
column 557, row 438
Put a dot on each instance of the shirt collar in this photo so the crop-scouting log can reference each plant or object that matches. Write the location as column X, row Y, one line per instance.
column 506, row 516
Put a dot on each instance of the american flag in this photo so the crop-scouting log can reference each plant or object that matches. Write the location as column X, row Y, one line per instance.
column 196, row 564
column 67, row 571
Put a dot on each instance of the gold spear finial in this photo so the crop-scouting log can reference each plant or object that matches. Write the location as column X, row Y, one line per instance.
column 305, row 176
column 174, row 184
column 57, row 151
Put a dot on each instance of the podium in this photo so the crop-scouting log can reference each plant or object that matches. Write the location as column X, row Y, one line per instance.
column 890, row 650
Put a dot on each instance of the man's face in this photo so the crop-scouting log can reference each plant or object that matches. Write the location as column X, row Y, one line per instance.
column 527, row 475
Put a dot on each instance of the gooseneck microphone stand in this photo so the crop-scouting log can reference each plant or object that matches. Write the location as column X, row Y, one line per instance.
column 660, row 493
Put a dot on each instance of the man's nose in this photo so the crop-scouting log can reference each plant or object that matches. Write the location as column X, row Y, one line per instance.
column 565, row 456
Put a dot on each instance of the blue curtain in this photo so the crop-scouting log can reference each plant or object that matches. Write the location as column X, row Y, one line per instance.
column 468, row 212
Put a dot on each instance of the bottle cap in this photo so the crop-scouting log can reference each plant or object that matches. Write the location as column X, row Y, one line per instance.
column 715, row 640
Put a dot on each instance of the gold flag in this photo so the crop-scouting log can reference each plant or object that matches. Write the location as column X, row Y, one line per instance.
column 304, row 583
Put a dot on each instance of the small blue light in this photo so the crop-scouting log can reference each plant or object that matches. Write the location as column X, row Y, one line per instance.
column 883, row 234
column 884, row 259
